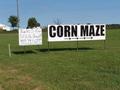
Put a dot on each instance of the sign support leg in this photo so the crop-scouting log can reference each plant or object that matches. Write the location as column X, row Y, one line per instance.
column 77, row 44
column 104, row 44
column 24, row 49
column 9, row 50
column 48, row 47
column 38, row 47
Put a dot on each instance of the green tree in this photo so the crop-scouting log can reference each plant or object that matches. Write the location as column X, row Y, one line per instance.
column 13, row 20
column 32, row 22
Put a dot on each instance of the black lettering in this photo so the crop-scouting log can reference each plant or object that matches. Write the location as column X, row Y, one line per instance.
column 102, row 30
column 60, row 31
column 74, row 31
column 97, row 30
column 52, row 31
column 84, row 30
column 67, row 31
column 92, row 32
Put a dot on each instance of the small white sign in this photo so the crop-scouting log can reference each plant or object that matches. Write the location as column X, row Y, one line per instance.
column 80, row 32
column 30, row 36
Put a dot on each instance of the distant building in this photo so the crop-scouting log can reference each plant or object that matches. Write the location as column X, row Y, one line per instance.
column 5, row 27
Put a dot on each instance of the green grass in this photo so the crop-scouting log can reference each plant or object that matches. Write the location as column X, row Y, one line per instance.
column 63, row 68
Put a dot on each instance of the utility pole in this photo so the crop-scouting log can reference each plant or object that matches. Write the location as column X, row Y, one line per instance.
column 18, row 25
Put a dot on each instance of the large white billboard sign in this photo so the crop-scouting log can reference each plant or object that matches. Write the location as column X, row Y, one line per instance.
column 80, row 32
column 30, row 36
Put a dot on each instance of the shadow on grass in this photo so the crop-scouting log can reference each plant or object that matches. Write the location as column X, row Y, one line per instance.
column 51, row 49
column 64, row 49
column 24, row 52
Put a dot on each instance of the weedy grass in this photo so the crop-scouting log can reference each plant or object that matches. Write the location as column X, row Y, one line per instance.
column 92, row 67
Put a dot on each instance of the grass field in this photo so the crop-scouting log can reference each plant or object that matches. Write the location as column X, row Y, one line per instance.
column 62, row 68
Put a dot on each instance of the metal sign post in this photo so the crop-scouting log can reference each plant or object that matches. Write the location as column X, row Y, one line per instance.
column 48, row 47
column 24, row 50
column 104, row 44
column 77, row 44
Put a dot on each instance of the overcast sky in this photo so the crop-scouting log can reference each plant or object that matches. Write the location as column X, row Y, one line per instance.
column 68, row 11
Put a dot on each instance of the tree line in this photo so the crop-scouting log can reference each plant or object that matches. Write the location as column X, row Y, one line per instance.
column 14, row 21
column 113, row 26
column 32, row 22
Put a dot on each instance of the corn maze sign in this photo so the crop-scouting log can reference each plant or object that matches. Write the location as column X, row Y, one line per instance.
column 80, row 32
